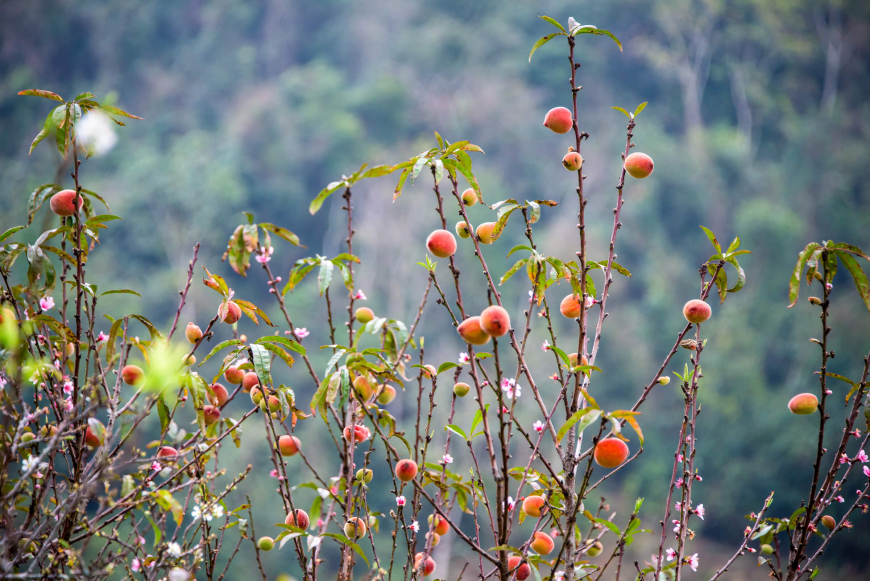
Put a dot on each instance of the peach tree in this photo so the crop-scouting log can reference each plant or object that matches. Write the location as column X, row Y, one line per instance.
column 80, row 491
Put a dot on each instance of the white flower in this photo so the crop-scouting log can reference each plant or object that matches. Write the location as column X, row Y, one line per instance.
column 265, row 254
column 217, row 511
column 463, row 358
column 96, row 133
column 545, row 347
column 671, row 554
column 46, row 303
column 400, row 501
column 415, row 526
column 359, row 296
column 178, row 574
column 29, row 463
column 510, row 503
column 558, row 575
column 510, row 387
column 538, row 426
column 174, row 549
column 448, row 459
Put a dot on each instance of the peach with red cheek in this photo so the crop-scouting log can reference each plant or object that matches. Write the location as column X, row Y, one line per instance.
column 234, row 375
column 387, row 395
column 250, row 381
column 543, row 544
column 638, row 165
column 211, row 414
column 428, row 564
column 484, row 232
column 429, row 371
column 355, row 528
column 471, row 331
column 495, row 321
column 63, row 203
column 469, row 198
column 221, row 395
column 803, row 404
column 92, row 440
column 559, row 120
column 572, row 161
column 406, row 470
column 167, row 452
column 230, row 312
column 534, row 506
column 462, row 229
column 439, row 524
column 193, row 333
column 132, row 374
column 524, row 570
column 570, row 306
column 300, row 519
column 288, row 445
column 356, row 434
column 610, row 452
column 441, row 243
column 697, row 311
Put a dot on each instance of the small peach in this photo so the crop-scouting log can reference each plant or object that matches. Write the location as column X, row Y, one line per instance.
column 436, row 538
column 829, row 522
column 461, row 389
column 462, row 229
column 638, row 165
column 221, row 395
column 484, row 232
column 92, row 440
column 469, row 197
column 273, row 403
column 256, row 396
column 364, row 475
column 230, row 312
column 355, row 528
column 428, row 565
column 211, row 414
column 572, row 360
column 289, row 445
column 543, row 544
column 364, row 315
column 471, row 331
column 803, row 404
column 441, row 243
column 559, row 120
column 595, row 549
column 514, row 561
column 188, row 360
column 301, row 519
column 357, row 434
column 63, row 202
column 266, row 543
column 697, row 311
column 610, row 452
column 495, row 321
column 429, row 371
column 363, row 387
column 193, row 333
column 406, row 470
column 167, row 452
column 439, row 524
column 132, row 374
column 234, row 375
column 249, row 381
column 387, row 395
column 534, row 506
column 572, row 161
column 570, row 306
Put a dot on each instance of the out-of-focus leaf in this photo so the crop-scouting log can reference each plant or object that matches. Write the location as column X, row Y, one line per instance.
column 317, row 202
column 795, row 281
column 587, row 415
column 858, row 275
column 282, row 232
column 42, row 93
column 542, row 41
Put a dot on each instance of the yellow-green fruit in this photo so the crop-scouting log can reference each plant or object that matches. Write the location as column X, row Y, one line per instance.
column 595, row 549
column 256, row 396
column 266, row 543
column 461, row 389
column 484, row 232
column 387, row 395
column 829, row 522
column 572, row 161
column 469, row 198
column 364, row 475
column 363, row 387
column 462, row 229
column 355, row 528
column 193, row 333
column 664, row 380
column 815, row 300
column 436, row 538
column 188, row 360
column 803, row 404
column 767, row 549
column 364, row 315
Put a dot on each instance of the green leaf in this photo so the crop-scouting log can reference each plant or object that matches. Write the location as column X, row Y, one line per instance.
column 285, row 357
column 219, row 347
column 629, row 416
column 589, row 29
column 588, row 415
column 858, row 275
column 542, row 41
column 553, row 22
column 59, row 328
column 282, row 233
column 345, row 541
column 333, row 360
column 519, row 247
column 262, row 363
column 418, row 167
column 849, row 248
column 42, row 93
column 456, row 430
column 445, row 366
column 640, row 108
column 741, row 276
column 402, row 178
column 163, row 412
column 795, row 281
column 290, row 344
column 38, row 139
column 513, row 270
column 620, row 269
column 712, row 238
column 10, row 232
column 115, row 111
column 469, row 177
column 317, row 202
column 123, row 291
column 624, row 112
column 378, row 171
column 324, row 277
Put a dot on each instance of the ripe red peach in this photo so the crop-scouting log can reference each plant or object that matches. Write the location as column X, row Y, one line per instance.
column 572, row 161
column 610, row 452
column 697, row 311
column 63, row 203
column 495, row 321
column 406, row 470
column 249, row 381
column 230, row 312
column 543, row 544
column 595, row 549
column 570, row 306
column 638, row 165
column 167, row 452
column 364, row 315
column 514, row 561
column 559, row 120
column 461, row 389
column 471, row 331
column 363, row 387
column 193, row 333
column 439, row 524
column 92, row 440
column 355, row 528
column 234, row 375
column 803, row 404
column 387, row 395
column 211, row 414
column 469, row 197
column 441, row 243
column 534, row 506
column 288, row 445
column 462, row 229
column 428, row 564
column 484, row 232
column 301, row 519
column 221, row 395
column 357, row 434
column 132, row 374
column 266, row 543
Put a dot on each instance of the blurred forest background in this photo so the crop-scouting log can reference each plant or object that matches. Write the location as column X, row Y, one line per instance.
column 758, row 123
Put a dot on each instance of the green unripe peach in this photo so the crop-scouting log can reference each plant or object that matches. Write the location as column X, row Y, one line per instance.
column 767, row 549
column 472, row 332
column 495, row 321
column 27, row 437
column 572, row 161
column 638, row 165
column 803, row 404
column 469, row 198
column 697, row 311
column 188, row 360
column 266, row 543
column 559, row 120
column 595, row 549
column 664, row 380
column 610, row 452
column 441, row 243
column 256, row 396
column 461, row 389
column 387, row 395
column 484, row 232
column 364, row 315
column 462, row 229
column 364, row 475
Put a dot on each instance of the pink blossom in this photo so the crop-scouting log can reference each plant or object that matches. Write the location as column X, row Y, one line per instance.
column 46, row 303
column 844, row 458
column 840, row 499
column 68, row 405
column 135, row 565
column 545, row 346
column 510, row 503
column 678, row 483
column 510, row 387
column 360, row 296
column 700, row 511
column 750, row 549
column 400, row 501
column 693, row 562
column 856, row 432
column 102, row 337
column 671, row 554
column 67, row 385
column 862, row 456
column 155, row 466
column 698, row 477
column 463, row 358
column 415, row 526
column 273, row 473
column 302, row 332
column 590, row 300
column 676, row 526
column 265, row 254
column 538, row 426
column 867, row 471
column 679, row 457
column 447, row 459
column 829, row 286
column 678, row 505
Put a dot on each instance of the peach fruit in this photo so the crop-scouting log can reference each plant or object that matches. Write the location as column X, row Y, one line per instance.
column 288, row 445
column 132, row 374
column 514, row 561
column 543, row 544
column 429, row 371
column 572, row 161
column 534, row 506
column 697, row 311
column 495, row 321
column 638, row 165
column 595, row 549
column 92, row 440
column 363, row 387
column 461, row 389
column 193, row 333
column 439, row 524
column 428, row 564
column 462, row 229
column 559, row 120
column 829, row 522
column 249, row 381
column 610, row 452
column 211, row 414
column 356, row 434
column 484, row 232
column 234, row 375
column 436, row 538
column 441, row 243
column 469, row 198
column 355, row 528
column 572, row 360
column 570, row 306
column 471, row 331
column 221, row 395
column 803, row 404
column 406, row 470
column 188, row 360
column 364, row 475
column 167, row 452
column 266, row 543
column 387, row 395
column 364, row 315
column 63, row 203
column 230, row 312
column 300, row 519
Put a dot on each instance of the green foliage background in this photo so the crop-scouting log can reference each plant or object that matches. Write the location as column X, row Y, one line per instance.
column 757, row 121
